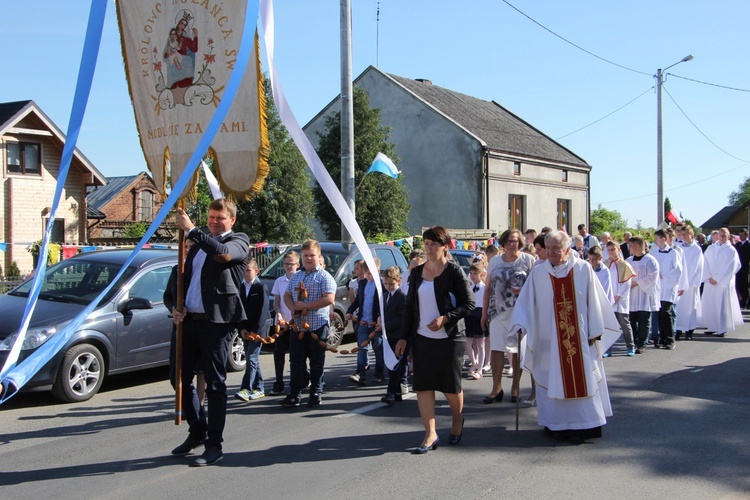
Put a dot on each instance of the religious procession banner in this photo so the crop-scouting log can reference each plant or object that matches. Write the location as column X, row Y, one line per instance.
column 179, row 55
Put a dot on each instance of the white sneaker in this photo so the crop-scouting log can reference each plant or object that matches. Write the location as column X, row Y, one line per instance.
column 508, row 370
column 257, row 394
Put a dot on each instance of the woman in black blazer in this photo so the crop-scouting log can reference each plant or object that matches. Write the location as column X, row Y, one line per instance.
column 439, row 298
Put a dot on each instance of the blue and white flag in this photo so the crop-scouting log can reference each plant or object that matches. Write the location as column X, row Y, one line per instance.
column 384, row 165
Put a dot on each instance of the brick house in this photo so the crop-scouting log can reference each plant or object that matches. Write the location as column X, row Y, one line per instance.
column 31, row 146
column 122, row 202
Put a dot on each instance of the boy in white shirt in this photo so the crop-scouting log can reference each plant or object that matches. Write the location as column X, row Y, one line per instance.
column 281, row 347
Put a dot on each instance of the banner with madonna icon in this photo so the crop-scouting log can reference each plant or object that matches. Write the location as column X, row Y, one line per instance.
column 178, row 58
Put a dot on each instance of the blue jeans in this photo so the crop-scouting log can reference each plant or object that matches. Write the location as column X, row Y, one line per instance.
column 363, row 333
column 253, row 379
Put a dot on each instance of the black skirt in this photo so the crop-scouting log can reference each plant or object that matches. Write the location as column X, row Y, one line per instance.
column 437, row 364
column 473, row 324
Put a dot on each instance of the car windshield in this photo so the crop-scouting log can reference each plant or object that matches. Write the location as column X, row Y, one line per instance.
column 463, row 260
column 76, row 281
column 333, row 261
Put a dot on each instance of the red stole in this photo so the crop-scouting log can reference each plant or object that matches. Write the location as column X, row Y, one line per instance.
column 568, row 337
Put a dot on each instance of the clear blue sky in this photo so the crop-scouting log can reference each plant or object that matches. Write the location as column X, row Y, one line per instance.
column 483, row 48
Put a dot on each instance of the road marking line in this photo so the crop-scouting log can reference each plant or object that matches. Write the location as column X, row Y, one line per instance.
column 370, row 407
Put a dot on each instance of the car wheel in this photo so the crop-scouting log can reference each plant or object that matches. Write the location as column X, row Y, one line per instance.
column 236, row 361
column 336, row 331
column 81, row 374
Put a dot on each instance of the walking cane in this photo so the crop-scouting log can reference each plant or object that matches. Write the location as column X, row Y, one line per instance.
column 517, row 377
column 180, row 304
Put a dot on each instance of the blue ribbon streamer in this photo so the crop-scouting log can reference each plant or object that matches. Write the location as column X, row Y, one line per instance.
column 15, row 378
column 83, row 88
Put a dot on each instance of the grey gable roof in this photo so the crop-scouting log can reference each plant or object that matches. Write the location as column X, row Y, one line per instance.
column 720, row 218
column 9, row 109
column 99, row 196
column 500, row 129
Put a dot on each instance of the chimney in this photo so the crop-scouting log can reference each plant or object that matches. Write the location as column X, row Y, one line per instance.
column 423, row 80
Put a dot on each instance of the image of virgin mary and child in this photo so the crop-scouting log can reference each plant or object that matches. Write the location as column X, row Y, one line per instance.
column 179, row 53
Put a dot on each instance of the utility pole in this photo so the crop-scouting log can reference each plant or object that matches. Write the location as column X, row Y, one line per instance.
column 347, row 114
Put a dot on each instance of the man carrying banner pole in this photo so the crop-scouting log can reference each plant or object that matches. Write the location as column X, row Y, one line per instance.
column 215, row 264
column 179, row 65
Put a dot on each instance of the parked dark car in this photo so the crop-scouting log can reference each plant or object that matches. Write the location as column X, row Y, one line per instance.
column 339, row 258
column 130, row 329
column 464, row 258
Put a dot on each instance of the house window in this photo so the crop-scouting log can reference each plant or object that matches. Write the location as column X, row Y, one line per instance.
column 565, row 176
column 563, row 215
column 24, row 158
column 58, row 231
column 145, row 205
column 517, row 168
column 515, row 211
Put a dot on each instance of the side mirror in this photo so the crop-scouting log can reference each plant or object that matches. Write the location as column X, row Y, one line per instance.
column 135, row 303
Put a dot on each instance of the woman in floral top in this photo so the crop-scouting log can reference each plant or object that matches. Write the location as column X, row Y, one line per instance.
column 505, row 277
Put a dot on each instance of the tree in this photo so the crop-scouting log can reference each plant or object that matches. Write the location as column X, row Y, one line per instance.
column 382, row 206
column 606, row 220
column 742, row 194
column 280, row 212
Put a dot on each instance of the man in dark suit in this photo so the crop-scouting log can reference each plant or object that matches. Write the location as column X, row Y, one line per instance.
column 394, row 300
column 624, row 249
column 213, row 272
column 741, row 281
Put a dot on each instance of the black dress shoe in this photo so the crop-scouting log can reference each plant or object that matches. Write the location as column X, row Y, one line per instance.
column 388, row 399
column 488, row 400
column 210, row 456
column 455, row 439
column 189, row 445
column 314, row 400
column 290, row 401
column 421, row 450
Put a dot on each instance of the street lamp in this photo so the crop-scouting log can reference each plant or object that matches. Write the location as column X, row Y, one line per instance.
column 659, row 170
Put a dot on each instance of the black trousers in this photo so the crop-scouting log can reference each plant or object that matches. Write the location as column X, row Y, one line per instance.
column 666, row 323
column 299, row 352
column 741, row 284
column 205, row 347
column 280, row 348
column 398, row 377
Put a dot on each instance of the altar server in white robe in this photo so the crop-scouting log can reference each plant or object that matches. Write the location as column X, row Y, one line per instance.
column 689, row 309
column 564, row 311
column 644, row 291
column 721, row 307
column 670, row 276
column 621, row 273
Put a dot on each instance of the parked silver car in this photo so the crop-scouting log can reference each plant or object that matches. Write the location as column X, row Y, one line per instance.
column 130, row 329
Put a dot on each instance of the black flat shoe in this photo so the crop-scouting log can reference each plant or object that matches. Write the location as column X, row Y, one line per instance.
column 421, row 450
column 455, row 439
column 488, row 400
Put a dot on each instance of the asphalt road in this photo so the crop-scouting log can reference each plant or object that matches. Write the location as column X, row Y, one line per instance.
column 679, row 430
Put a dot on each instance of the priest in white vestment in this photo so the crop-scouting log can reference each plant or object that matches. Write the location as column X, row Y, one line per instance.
column 563, row 311
column 721, row 307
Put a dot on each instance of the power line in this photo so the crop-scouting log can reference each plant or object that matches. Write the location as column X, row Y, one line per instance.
column 707, row 83
column 679, row 187
column 571, row 43
column 699, row 130
column 607, row 115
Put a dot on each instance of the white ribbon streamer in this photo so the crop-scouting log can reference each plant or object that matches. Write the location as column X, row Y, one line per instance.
column 317, row 167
